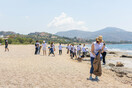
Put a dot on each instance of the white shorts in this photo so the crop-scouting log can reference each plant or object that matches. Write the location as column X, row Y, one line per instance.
column 44, row 48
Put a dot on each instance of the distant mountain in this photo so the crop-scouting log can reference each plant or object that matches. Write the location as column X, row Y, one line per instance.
column 7, row 33
column 109, row 34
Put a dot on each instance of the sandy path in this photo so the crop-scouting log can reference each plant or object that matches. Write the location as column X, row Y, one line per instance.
column 20, row 68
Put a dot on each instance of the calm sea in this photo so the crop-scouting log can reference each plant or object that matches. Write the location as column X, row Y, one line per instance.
column 119, row 47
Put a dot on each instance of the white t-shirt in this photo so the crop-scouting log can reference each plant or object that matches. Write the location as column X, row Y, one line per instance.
column 73, row 48
column 102, row 44
column 60, row 47
column 70, row 47
column 105, row 49
column 78, row 47
column 37, row 44
column 44, row 45
column 97, row 47
column 83, row 49
column 86, row 50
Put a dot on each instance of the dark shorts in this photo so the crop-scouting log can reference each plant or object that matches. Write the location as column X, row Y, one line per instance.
column 51, row 51
column 6, row 46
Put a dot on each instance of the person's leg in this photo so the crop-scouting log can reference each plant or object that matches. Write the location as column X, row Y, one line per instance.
column 73, row 54
column 79, row 52
column 5, row 48
column 91, row 70
column 104, row 54
column 103, row 57
column 45, row 52
column 8, row 49
column 49, row 53
column 70, row 52
column 61, row 52
column 36, row 50
column 84, row 54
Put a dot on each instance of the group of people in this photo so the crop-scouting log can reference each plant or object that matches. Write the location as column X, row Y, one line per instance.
column 79, row 51
column 97, row 53
column 98, row 50
column 43, row 46
column 38, row 47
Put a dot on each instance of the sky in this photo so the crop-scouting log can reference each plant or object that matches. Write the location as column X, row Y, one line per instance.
column 26, row 16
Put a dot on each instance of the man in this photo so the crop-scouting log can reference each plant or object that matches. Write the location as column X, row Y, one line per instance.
column 6, row 45
column 83, row 50
column 67, row 48
column 37, row 47
column 60, row 49
column 79, row 49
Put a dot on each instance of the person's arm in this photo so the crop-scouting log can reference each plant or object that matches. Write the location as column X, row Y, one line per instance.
column 92, row 49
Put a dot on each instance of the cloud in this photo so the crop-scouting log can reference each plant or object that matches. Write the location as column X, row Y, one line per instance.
column 64, row 22
column 1, row 14
column 27, row 17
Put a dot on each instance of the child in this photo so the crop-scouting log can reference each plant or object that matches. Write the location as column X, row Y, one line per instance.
column 60, row 49
column 51, row 49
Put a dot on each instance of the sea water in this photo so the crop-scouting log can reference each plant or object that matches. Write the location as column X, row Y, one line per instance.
column 127, row 48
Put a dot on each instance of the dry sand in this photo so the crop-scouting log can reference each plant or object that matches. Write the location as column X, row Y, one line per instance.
column 20, row 68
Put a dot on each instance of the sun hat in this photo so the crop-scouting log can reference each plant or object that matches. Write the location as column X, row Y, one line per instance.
column 97, row 39
column 100, row 37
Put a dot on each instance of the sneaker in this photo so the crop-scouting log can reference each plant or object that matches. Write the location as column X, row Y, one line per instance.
column 103, row 63
column 90, row 78
column 96, row 78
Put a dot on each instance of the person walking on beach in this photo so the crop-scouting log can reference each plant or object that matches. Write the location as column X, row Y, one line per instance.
column 104, row 52
column 75, row 53
column 51, row 49
column 37, row 44
column 68, row 48
column 72, row 51
column 79, row 50
column 95, row 48
column 84, row 50
column 6, row 45
column 44, row 47
column 60, row 49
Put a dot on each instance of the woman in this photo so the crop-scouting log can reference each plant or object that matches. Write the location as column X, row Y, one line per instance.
column 104, row 52
column 44, row 47
column 96, row 46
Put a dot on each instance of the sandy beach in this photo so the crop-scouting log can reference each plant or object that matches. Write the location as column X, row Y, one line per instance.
column 20, row 68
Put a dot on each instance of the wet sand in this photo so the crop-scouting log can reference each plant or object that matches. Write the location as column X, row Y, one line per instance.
column 20, row 68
